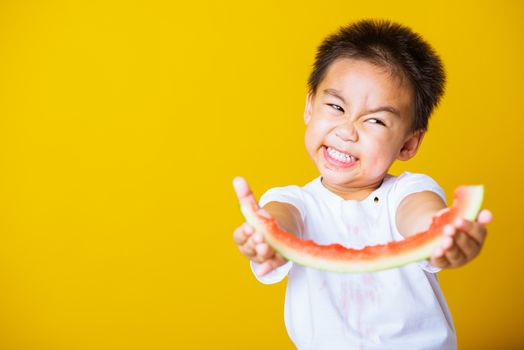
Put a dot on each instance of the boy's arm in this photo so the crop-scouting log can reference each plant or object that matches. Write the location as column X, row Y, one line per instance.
column 464, row 238
column 287, row 216
column 251, row 244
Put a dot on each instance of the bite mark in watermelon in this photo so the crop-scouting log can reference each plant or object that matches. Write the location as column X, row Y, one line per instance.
column 337, row 258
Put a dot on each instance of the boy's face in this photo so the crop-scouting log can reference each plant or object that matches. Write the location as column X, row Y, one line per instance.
column 353, row 139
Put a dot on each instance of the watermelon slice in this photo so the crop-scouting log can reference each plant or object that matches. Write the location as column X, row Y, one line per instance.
column 335, row 257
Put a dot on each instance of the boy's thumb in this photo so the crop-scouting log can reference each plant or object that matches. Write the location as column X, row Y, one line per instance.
column 244, row 194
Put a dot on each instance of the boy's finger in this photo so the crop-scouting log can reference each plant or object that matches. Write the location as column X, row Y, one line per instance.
column 248, row 249
column 484, row 217
column 475, row 230
column 467, row 245
column 264, row 268
column 242, row 233
column 239, row 237
column 243, row 191
column 455, row 256
column 268, row 266
column 438, row 259
column 449, row 231
column 247, row 229
column 264, row 251
column 279, row 259
column 257, row 238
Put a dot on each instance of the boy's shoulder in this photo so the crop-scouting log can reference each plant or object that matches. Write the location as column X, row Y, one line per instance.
column 406, row 179
column 298, row 191
column 297, row 195
column 393, row 189
column 408, row 183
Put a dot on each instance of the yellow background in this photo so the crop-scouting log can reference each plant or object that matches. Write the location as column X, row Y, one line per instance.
column 122, row 124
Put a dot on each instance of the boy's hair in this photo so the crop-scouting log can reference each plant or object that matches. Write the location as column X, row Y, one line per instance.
column 391, row 45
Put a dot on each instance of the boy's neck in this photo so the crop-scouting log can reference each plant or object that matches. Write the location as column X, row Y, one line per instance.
column 358, row 194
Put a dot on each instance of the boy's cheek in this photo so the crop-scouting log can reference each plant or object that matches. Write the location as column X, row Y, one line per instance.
column 316, row 132
column 310, row 141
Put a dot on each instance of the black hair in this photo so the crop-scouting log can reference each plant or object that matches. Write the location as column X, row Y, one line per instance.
column 393, row 46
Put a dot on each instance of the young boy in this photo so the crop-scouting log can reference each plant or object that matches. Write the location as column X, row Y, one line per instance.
column 371, row 92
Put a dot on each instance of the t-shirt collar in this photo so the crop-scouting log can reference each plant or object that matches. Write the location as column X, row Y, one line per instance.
column 330, row 196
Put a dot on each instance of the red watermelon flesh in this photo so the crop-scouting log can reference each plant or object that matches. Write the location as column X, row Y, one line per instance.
column 335, row 257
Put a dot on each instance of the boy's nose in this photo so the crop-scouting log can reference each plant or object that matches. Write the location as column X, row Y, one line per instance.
column 346, row 131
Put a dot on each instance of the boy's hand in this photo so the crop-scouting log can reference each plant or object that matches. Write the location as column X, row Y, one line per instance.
column 463, row 242
column 251, row 243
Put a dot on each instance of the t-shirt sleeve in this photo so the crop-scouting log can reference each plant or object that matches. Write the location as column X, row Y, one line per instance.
column 274, row 276
column 291, row 195
column 409, row 183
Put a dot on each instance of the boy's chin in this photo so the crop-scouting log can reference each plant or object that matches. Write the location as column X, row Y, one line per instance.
column 336, row 179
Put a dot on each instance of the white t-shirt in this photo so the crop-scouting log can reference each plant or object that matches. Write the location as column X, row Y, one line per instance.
column 401, row 308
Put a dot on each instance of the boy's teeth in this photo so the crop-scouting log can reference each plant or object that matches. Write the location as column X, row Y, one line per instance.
column 340, row 156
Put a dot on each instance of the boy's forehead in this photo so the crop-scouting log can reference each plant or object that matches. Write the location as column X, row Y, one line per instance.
column 348, row 79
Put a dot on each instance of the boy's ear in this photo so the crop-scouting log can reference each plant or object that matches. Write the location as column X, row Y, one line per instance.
column 308, row 110
column 411, row 145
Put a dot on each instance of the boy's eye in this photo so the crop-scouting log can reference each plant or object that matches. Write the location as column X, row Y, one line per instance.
column 376, row 121
column 337, row 107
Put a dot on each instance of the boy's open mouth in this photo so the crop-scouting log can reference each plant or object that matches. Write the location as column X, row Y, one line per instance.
column 337, row 157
